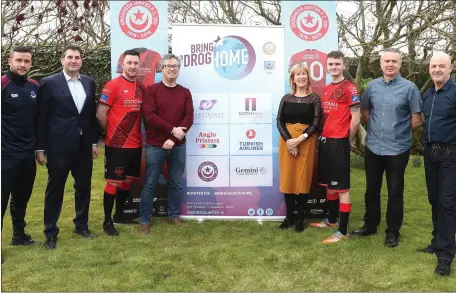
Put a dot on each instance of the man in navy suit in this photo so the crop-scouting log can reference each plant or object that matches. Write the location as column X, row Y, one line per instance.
column 67, row 140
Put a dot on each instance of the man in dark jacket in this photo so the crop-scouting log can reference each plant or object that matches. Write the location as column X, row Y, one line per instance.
column 18, row 140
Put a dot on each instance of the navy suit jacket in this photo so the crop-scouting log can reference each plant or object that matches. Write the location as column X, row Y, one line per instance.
column 58, row 121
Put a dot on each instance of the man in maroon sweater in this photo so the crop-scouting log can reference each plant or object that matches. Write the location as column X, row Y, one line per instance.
column 168, row 114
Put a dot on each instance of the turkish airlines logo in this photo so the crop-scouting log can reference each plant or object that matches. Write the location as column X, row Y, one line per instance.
column 138, row 19
column 207, row 104
column 207, row 171
column 250, row 104
column 250, row 134
column 309, row 22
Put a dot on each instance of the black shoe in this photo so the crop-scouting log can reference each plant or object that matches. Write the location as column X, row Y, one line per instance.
column 123, row 221
column 24, row 239
column 51, row 242
column 84, row 233
column 428, row 249
column 110, row 229
column 443, row 267
column 363, row 231
column 299, row 227
column 286, row 224
column 391, row 240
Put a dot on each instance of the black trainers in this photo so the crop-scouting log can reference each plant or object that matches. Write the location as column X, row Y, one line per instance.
column 443, row 267
column 24, row 239
column 428, row 249
column 391, row 240
column 364, row 231
column 123, row 221
column 110, row 229
column 286, row 224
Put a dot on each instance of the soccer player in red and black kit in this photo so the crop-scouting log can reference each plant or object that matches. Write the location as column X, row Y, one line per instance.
column 18, row 140
column 119, row 113
column 341, row 118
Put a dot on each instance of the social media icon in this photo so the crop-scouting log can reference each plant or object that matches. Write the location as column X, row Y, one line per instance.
column 260, row 212
column 251, row 212
column 269, row 212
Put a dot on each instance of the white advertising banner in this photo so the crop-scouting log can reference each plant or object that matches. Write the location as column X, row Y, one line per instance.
column 235, row 74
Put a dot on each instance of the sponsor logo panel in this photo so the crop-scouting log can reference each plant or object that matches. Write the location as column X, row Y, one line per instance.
column 251, row 171
column 207, row 171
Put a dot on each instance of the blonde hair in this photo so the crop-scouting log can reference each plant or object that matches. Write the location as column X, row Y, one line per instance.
column 297, row 68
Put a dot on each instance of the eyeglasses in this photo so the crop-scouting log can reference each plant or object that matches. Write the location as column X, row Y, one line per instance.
column 169, row 66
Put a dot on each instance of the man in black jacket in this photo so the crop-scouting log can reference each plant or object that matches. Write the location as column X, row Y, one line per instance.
column 18, row 140
column 67, row 136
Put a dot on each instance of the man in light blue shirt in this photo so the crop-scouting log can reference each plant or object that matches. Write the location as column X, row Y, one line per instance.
column 391, row 106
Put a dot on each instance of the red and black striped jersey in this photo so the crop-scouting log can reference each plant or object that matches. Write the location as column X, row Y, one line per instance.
column 123, row 127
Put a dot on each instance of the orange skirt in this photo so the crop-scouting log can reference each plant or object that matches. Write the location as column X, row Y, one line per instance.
column 296, row 173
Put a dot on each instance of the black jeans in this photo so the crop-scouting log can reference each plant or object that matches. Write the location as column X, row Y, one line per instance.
column 18, row 176
column 440, row 167
column 394, row 167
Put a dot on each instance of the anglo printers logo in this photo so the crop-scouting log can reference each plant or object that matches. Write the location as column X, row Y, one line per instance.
column 207, row 140
column 234, row 57
column 309, row 22
column 138, row 19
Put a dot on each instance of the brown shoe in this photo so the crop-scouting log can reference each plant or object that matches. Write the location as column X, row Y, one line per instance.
column 143, row 229
column 175, row 221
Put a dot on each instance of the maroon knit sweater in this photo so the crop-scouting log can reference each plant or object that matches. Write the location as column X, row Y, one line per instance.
column 163, row 109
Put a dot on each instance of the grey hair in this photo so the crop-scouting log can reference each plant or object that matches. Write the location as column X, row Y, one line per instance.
column 169, row 57
column 393, row 50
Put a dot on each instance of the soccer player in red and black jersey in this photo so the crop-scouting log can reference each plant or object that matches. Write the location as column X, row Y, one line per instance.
column 341, row 118
column 119, row 113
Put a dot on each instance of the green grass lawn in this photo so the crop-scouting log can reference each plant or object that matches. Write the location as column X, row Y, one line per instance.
column 222, row 256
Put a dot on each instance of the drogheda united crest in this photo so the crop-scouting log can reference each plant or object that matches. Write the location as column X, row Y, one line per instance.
column 309, row 22
column 207, row 171
column 138, row 19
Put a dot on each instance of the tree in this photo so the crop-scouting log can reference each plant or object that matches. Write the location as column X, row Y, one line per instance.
column 50, row 25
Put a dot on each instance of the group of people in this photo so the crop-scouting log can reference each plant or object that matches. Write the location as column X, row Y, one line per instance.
column 391, row 107
column 56, row 123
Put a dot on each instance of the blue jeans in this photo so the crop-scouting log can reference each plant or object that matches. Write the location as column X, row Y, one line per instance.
column 155, row 158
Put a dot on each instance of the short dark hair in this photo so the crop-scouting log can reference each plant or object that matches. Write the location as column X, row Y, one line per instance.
column 20, row 49
column 336, row 55
column 131, row 52
column 71, row 47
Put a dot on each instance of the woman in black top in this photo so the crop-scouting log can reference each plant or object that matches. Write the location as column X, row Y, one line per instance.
column 297, row 120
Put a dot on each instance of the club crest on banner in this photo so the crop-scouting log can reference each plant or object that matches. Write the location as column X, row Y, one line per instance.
column 269, row 48
column 309, row 22
column 138, row 19
column 207, row 171
column 269, row 66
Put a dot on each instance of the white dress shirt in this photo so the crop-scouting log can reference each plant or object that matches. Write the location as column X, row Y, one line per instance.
column 77, row 91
